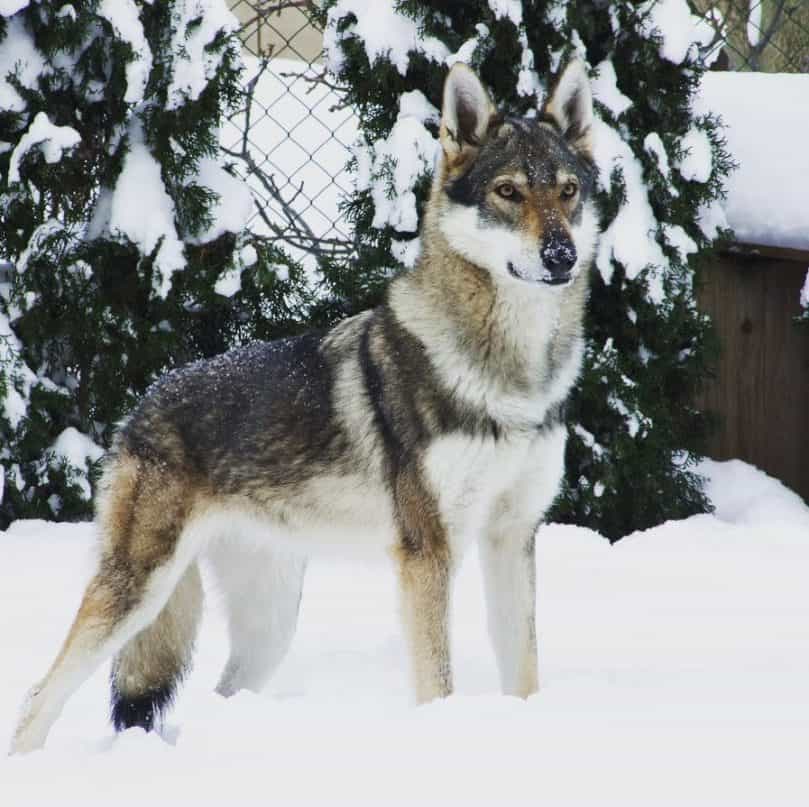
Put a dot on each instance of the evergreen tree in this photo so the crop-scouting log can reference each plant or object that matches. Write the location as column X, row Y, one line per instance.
column 122, row 235
column 635, row 435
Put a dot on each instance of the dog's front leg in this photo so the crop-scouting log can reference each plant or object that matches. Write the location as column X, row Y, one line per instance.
column 425, row 612
column 509, row 576
column 424, row 574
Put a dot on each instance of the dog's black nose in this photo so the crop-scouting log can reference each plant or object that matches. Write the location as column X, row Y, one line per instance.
column 558, row 257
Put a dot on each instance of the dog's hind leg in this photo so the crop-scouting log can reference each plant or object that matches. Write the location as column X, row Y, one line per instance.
column 101, row 628
column 262, row 592
column 141, row 518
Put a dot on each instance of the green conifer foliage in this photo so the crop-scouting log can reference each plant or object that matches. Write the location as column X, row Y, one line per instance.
column 118, row 223
column 635, row 433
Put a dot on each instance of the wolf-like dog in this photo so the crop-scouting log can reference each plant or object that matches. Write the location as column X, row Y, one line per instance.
column 428, row 423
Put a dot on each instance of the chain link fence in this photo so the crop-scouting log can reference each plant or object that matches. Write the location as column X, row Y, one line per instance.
column 763, row 35
column 292, row 138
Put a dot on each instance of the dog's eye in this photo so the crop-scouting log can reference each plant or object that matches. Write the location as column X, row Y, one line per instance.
column 507, row 191
column 569, row 190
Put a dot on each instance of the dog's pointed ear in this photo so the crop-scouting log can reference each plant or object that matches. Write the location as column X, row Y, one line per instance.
column 571, row 108
column 466, row 112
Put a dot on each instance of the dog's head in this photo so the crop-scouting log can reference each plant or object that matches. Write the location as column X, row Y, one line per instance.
column 516, row 192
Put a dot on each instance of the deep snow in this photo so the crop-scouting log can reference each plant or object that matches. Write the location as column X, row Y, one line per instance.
column 674, row 669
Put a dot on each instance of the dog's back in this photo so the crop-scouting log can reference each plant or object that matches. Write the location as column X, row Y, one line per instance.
column 235, row 420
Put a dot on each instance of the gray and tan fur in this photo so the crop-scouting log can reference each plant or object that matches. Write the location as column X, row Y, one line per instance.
column 422, row 426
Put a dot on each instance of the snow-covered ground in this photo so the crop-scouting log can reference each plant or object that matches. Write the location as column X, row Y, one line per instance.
column 674, row 667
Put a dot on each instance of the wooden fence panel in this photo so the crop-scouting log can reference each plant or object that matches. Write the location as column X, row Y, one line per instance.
column 761, row 390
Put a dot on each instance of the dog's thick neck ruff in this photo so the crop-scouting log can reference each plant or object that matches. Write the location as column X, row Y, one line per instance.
column 510, row 349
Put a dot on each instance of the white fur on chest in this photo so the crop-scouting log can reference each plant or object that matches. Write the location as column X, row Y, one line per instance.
column 481, row 392
column 531, row 317
column 470, row 476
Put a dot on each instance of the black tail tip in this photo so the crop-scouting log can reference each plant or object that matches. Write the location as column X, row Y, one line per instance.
column 143, row 710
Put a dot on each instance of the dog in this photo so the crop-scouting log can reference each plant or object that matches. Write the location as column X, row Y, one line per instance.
column 424, row 425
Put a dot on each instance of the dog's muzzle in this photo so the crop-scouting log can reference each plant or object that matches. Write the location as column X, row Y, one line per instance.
column 558, row 257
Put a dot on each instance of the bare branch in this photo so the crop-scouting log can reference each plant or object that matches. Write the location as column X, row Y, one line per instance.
column 321, row 80
column 296, row 222
column 775, row 22
column 290, row 228
column 315, row 80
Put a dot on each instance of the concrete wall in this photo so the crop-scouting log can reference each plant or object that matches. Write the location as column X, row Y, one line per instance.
column 286, row 34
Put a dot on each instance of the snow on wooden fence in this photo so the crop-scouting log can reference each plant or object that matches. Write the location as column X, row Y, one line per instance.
column 756, row 291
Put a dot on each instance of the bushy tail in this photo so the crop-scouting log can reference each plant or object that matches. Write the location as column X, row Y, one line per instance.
column 146, row 673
